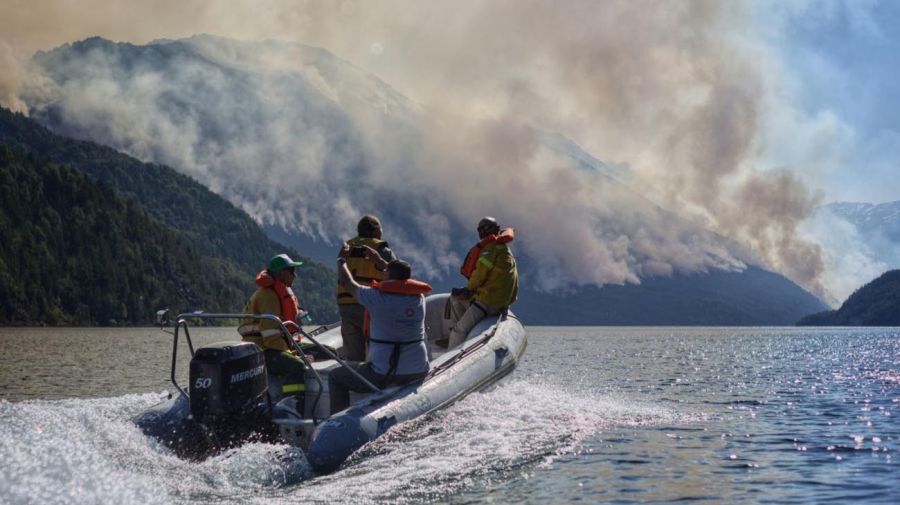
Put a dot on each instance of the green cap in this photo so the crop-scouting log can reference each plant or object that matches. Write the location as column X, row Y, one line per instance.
column 282, row 261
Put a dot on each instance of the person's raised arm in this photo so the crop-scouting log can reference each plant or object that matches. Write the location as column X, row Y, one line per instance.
column 375, row 258
column 345, row 279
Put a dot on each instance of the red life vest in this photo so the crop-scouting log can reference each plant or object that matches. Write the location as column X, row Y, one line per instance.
column 505, row 236
column 290, row 305
column 404, row 287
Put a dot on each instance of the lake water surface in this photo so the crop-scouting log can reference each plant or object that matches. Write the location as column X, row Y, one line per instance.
column 616, row 415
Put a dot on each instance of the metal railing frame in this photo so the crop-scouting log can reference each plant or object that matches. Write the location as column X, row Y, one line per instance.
column 181, row 321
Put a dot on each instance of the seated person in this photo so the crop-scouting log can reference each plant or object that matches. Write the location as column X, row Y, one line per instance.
column 397, row 352
column 275, row 296
column 493, row 281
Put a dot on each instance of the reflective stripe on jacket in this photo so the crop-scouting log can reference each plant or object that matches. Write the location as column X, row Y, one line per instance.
column 272, row 297
column 505, row 236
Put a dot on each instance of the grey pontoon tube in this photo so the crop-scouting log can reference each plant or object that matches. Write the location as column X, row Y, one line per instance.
column 466, row 350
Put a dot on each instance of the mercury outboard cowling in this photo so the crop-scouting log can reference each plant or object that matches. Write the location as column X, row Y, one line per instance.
column 228, row 380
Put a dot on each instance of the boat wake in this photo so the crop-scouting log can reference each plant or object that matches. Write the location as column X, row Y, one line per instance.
column 89, row 451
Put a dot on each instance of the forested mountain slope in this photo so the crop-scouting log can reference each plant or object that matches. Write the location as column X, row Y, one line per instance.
column 72, row 252
column 875, row 304
column 230, row 244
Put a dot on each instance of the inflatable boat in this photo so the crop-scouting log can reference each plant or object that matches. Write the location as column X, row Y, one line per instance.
column 231, row 398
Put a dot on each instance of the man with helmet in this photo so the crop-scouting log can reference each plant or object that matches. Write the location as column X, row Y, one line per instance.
column 493, row 280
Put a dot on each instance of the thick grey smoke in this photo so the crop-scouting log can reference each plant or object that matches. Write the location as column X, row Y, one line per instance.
column 670, row 89
column 11, row 70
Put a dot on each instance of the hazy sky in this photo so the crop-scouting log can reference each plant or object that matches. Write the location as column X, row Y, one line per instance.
column 844, row 59
column 834, row 62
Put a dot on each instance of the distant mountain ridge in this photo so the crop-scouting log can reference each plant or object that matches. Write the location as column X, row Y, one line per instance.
column 311, row 143
column 875, row 304
column 753, row 297
column 882, row 218
column 306, row 117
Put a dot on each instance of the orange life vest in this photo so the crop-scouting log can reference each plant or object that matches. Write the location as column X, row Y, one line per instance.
column 505, row 236
column 290, row 305
column 404, row 287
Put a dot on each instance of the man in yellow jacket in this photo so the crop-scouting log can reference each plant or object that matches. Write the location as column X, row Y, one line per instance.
column 274, row 295
column 493, row 280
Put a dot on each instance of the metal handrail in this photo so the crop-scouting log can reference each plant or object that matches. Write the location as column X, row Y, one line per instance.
column 187, row 334
column 181, row 321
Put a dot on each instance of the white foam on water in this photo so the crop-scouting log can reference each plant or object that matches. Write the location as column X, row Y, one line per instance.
column 75, row 451
column 484, row 438
column 89, row 451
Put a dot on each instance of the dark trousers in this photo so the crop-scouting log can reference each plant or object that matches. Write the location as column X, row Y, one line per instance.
column 341, row 381
column 287, row 368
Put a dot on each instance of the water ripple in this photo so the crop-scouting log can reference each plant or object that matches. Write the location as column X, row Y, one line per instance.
column 632, row 415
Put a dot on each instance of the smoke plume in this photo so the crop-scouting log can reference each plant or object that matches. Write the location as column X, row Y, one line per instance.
column 673, row 91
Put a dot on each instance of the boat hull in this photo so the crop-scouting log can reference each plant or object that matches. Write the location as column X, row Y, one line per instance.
column 490, row 353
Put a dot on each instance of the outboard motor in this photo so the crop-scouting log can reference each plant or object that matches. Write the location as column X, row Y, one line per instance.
column 228, row 389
